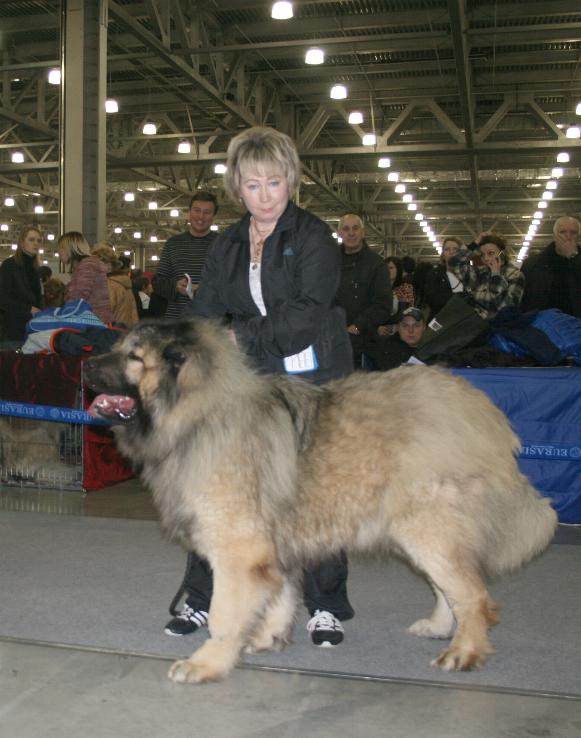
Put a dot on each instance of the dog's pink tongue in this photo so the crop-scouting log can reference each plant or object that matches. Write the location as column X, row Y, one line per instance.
column 107, row 405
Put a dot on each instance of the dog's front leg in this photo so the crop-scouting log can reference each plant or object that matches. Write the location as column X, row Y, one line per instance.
column 243, row 584
column 274, row 630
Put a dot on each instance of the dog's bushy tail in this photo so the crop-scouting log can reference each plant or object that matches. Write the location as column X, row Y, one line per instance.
column 532, row 526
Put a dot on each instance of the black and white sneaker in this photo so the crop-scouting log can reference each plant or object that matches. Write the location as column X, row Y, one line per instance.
column 188, row 621
column 326, row 631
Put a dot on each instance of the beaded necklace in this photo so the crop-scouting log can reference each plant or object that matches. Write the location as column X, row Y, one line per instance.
column 257, row 239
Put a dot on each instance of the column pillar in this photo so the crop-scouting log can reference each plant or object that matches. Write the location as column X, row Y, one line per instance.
column 82, row 117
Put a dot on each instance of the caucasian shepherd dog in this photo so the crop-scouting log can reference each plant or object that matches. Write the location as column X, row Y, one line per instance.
column 263, row 474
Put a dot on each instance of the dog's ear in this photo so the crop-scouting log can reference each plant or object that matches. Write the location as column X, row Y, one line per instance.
column 175, row 356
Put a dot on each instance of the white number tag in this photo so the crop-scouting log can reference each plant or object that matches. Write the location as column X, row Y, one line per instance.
column 305, row 361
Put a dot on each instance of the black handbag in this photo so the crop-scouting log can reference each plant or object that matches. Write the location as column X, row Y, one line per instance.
column 453, row 328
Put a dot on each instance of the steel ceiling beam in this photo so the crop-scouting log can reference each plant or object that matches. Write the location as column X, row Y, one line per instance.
column 178, row 64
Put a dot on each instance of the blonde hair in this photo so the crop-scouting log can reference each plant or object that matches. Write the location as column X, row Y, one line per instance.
column 74, row 246
column 106, row 253
column 19, row 255
column 265, row 151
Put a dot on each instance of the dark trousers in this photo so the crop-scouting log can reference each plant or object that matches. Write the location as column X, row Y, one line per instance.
column 324, row 587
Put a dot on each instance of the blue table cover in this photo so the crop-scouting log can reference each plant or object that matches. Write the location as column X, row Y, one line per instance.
column 544, row 408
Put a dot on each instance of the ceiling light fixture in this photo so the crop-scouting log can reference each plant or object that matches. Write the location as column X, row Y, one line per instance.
column 338, row 92
column 557, row 172
column 281, row 10
column 355, row 118
column 137, row 234
column 220, row 169
column 184, row 147
column 54, row 76
column 384, row 162
column 111, row 106
column 38, row 209
column 573, row 132
column 129, row 196
column 174, row 213
column 149, row 129
column 117, row 230
column 563, row 157
column 152, row 205
column 9, row 202
column 551, row 185
column 369, row 139
column 412, row 206
column 214, row 227
column 399, row 189
column 17, row 157
column 547, row 195
column 393, row 177
column 314, row 56
column 542, row 204
column 407, row 198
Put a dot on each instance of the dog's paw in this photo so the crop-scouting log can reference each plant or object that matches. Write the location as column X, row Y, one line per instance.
column 455, row 659
column 188, row 671
column 427, row 628
column 265, row 642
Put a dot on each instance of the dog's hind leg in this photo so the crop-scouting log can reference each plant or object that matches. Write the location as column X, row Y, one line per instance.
column 440, row 624
column 449, row 565
column 274, row 630
column 245, row 580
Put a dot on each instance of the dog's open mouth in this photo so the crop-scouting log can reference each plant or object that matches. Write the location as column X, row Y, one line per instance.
column 113, row 407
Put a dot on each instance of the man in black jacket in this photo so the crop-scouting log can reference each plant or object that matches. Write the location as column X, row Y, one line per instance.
column 553, row 277
column 365, row 289
column 398, row 349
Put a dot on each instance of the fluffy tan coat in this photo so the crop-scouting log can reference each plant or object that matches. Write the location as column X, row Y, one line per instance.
column 262, row 474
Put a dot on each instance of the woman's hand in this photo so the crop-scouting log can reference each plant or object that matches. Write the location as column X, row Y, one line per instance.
column 494, row 263
column 353, row 329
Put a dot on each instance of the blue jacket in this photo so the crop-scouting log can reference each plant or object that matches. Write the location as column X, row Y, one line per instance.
column 300, row 272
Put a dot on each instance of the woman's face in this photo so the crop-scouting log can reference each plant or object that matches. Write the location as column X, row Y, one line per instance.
column 491, row 255
column 64, row 256
column 450, row 248
column 266, row 197
column 392, row 269
column 31, row 243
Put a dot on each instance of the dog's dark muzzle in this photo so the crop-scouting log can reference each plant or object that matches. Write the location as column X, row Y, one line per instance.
column 114, row 401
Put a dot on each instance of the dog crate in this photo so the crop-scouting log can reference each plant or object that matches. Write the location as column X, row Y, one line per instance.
column 42, row 454
column 55, row 446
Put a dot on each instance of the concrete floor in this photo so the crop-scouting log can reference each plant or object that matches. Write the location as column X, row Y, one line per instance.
column 48, row 691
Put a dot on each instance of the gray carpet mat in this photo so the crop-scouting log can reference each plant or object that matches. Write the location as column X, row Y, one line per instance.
column 106, row 583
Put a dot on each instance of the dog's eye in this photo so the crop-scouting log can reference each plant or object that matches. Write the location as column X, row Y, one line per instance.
column 174, row 355
column 132, row 356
